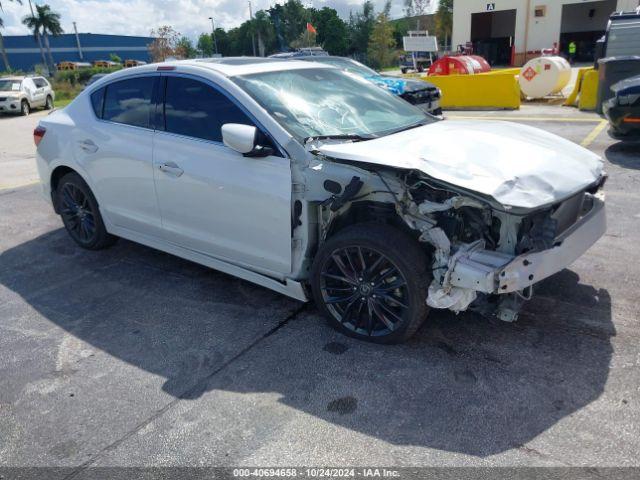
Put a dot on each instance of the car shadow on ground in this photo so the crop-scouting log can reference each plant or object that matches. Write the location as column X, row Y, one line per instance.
column 624, row 154
column 463, row 384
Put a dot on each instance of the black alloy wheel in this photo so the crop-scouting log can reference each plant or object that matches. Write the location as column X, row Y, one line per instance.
column 371, row 281
column 77, row 214
column 80, row 213
column 364, row 291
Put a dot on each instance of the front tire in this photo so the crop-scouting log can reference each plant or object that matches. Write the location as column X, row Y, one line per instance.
column 80, row 213
column 25, row 109
column 371, row 282
column 49, row 103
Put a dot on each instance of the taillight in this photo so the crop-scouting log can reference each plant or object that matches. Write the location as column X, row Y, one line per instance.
column 38, row 134
column 631, row 120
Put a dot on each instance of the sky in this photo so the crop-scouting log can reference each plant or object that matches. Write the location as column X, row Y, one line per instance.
column 138, row 17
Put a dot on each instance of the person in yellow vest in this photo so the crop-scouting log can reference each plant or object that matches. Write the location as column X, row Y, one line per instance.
column 572, row 52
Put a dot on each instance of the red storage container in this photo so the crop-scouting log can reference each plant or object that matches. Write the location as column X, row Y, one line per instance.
column 460, row 65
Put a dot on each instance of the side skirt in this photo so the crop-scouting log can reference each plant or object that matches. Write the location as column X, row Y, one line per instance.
column 290, row 288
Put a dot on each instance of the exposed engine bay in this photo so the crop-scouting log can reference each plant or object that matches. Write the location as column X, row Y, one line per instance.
column 485, row 256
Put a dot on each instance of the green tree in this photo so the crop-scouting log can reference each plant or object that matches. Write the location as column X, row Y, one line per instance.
column 184, row 48
column 444, row 20
column 262, row 29
column 240, row 40
column 360, row 27
column 205, row 44
column 2, row 49
column 44, row 22
column 332, row 31
column 222, row 40
column 115, row 58
column 380, row 52
column 294, row 20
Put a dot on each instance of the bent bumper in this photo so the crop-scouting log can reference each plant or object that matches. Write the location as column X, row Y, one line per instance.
column 498, row 273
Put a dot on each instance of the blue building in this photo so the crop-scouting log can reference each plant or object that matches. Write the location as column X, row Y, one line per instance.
column 23, row 51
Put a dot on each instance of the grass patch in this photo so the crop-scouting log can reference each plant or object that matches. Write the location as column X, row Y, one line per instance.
column 62, row 103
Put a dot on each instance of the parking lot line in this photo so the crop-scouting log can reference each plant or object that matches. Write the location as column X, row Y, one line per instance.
column 526, row 119
column 594, row 133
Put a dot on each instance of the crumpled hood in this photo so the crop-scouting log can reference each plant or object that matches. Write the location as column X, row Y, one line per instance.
column 517, row 165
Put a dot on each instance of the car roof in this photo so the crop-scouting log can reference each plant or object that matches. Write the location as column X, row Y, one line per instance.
column 227, row 66
column 13, row 78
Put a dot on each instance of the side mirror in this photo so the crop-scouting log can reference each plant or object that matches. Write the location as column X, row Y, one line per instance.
column 244, row 139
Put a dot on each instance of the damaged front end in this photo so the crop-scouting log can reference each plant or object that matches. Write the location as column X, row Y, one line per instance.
column 485, row 257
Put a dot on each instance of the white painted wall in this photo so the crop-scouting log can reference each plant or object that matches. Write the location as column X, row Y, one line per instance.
column 542, row 31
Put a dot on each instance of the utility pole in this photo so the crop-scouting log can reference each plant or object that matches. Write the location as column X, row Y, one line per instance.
column 253, row 38
column 75, row 29
column 213, row 32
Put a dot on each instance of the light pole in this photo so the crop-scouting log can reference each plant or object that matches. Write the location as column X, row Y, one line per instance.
column 213, row 32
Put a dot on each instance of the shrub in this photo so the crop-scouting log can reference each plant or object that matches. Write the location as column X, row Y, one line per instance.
column 81, row 76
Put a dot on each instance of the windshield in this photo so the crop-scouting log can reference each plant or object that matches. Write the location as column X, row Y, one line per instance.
column 349, row 65
column 326, row 101
column 10, row 85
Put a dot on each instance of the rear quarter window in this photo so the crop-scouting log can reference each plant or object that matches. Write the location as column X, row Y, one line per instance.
column 40, row 82
column 97, row 102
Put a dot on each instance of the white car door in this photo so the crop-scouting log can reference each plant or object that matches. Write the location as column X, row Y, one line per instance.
column 115, row 148
column 212, row 199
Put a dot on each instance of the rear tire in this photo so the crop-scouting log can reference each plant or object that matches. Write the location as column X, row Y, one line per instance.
column 25, row 109
column 371, row 282
column 80, row 213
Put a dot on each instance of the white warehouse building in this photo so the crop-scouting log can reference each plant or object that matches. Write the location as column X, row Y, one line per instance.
column 510, row 31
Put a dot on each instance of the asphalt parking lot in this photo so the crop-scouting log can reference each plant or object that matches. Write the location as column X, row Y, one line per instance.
column 130, row 357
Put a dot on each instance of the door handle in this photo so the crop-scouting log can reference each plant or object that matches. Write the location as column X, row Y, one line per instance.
column 88, row 146
column 171, row 168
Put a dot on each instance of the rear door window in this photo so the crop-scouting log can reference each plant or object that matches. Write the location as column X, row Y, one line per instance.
column 195, row 109
column 129, row 102
column 40, row 82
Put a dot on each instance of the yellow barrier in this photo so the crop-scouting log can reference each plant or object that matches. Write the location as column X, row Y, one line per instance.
column 511, row 71
column 585, row 91
column 490, row 90
column 589, row 91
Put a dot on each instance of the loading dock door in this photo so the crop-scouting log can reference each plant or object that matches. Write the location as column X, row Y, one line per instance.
column 584, row 23
column 492, row 35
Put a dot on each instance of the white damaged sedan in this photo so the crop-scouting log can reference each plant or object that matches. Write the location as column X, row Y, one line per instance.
column 312, row 182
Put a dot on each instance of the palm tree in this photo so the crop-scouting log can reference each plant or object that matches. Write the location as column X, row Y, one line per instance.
column 2, row 49
column 49, row 22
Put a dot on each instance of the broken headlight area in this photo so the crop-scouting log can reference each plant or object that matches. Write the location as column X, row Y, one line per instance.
column 483, row 258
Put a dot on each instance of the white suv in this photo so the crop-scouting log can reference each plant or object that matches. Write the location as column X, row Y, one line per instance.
column 313, row 182
column 22, row 94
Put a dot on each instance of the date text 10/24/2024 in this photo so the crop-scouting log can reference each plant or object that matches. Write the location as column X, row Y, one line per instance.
column 316, row 472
